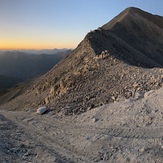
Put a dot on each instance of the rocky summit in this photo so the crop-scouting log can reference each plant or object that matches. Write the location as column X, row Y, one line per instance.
column 115, row 61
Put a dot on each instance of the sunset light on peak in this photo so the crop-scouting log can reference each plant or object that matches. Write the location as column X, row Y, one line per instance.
column 47, row 24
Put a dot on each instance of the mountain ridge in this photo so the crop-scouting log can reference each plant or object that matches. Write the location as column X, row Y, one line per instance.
column 132, row 11
column 140, row 33
column 104, row 67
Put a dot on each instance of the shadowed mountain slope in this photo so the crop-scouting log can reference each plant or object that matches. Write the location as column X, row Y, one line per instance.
column 7, row 82
column 141, row 31
column 24, row 66
column 104, row 67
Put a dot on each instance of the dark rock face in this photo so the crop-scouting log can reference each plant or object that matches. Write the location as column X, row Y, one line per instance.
column 142, row 32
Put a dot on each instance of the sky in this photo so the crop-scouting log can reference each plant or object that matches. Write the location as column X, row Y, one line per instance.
column 49, row 24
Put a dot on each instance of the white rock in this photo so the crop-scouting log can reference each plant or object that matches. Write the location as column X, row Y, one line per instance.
column 142, row 149
column 42, row 110
column 94, row 120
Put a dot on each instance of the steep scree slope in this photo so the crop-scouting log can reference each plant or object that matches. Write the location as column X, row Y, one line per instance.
column 104, row 67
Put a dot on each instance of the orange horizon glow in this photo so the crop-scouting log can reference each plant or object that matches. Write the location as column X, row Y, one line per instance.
column 35, row 43
column 35, row 47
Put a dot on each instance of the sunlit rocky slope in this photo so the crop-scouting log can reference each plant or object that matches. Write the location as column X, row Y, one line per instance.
column 117, row 60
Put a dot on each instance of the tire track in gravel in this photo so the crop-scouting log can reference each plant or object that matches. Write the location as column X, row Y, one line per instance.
column 53, row 135
column 124, row 132
column 56, row 144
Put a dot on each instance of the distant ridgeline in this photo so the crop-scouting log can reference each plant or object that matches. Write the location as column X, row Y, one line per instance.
column 17, row 66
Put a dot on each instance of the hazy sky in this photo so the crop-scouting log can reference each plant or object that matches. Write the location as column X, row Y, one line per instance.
column 40, row 24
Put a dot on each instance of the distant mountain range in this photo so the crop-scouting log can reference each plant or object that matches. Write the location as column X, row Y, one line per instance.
column 38, row 52
column 16, row 66
column 44, row 51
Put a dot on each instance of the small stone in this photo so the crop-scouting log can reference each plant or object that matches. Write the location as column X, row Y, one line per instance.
column 47, row 100
column 26, row 154
column 42, row 110
column 128, row 159
column 94, row 120
column 142, row 150
column 89, row 108
column 113, row 98
column 52, row 90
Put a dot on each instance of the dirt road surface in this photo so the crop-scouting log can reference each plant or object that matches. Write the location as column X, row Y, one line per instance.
column 130, row 130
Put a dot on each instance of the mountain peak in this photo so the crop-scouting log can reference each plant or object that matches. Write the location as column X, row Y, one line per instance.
column 106, row 65
column 133, row 12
